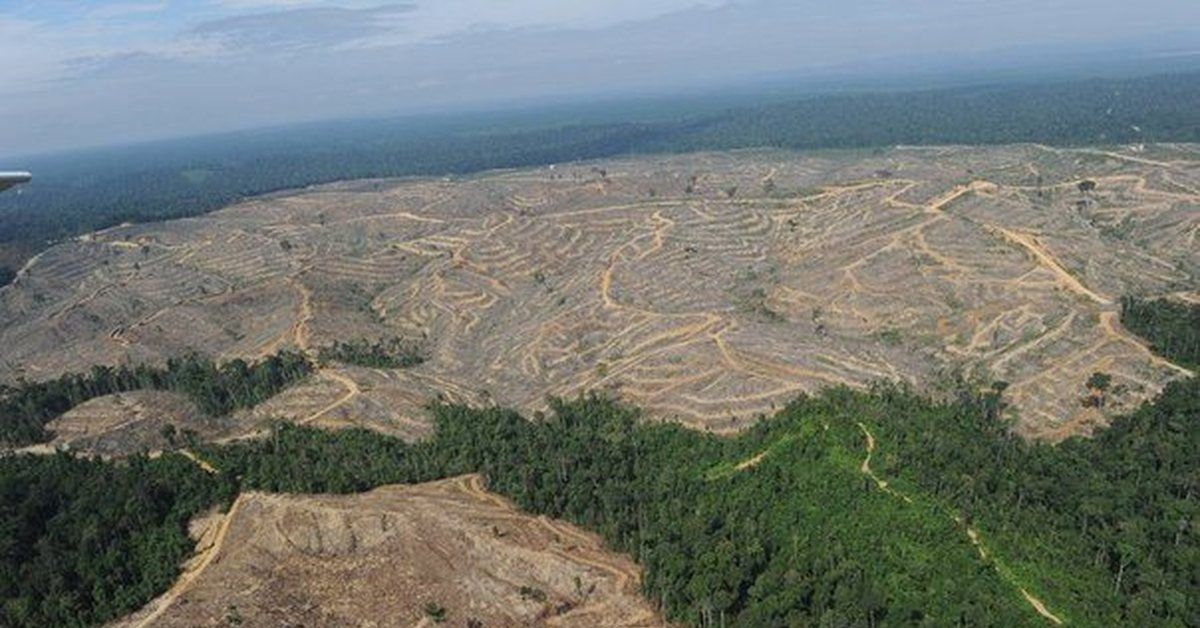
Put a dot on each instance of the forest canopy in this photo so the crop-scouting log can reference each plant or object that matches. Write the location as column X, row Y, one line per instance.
column 779, row 525
column 81, row 192
column 1171, row 327
column 389, row 353
column 849, row 507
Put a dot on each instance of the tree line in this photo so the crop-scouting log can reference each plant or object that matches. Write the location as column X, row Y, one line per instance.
column 85, row 541
column 89, row 190
column 1171, row 327
column 1104, row 531
column 779, row 525
column 388, row 353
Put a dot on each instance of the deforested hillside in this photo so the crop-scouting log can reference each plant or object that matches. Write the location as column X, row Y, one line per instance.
column 882, row 507
column 706, row 288
column 80, row 192
column 917, row 386
column 441, row 552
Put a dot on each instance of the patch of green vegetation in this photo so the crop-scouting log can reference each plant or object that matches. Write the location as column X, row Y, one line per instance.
column 391, row 353
column 86, row 541
column 890, row 336
column 1102, row 531
column 1171, row 327
column 436, row 612
column 756, row 304
column 363, row 300
column 1030, row 334
column 532, row 593
column 233, row 616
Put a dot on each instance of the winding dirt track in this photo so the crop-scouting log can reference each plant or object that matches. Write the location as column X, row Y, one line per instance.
column 352, row 391
column 1030, row 243
column 203, row 558
column 972, row 534
column 751, row 462
column 200, row 462
column 654, row 282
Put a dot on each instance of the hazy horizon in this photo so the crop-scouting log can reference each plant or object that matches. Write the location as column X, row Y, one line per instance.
column 119, row 72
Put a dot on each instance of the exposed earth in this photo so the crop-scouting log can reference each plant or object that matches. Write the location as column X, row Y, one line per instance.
column 393, row 557
column 705, row 288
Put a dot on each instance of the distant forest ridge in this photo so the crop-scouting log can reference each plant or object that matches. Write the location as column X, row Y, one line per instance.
column 84, row 191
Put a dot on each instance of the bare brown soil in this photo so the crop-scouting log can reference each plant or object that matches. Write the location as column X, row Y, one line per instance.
column 122, row 423
column 380, row 557
column 707, row 288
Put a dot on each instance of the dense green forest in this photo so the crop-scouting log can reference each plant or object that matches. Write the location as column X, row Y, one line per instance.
column 1103, row 531
column 845, row 508
column 390, row 353
column 1171, row 327
column 85, row 541
column 89, row 190
column 216, row 389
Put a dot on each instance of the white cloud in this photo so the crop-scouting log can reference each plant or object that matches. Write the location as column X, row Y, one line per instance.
column 126, row 9
column 85, row 73
column 293, row 30
column 30, row 51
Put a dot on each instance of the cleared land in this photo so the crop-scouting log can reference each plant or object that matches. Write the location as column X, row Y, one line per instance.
column 706, row 288
column 115, row 425
column 381, row 558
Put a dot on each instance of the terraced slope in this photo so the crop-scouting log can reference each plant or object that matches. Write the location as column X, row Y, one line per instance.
column 381, row 558
column 705, row 288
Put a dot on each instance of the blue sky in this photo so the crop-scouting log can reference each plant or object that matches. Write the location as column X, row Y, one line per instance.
column 114, row 71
